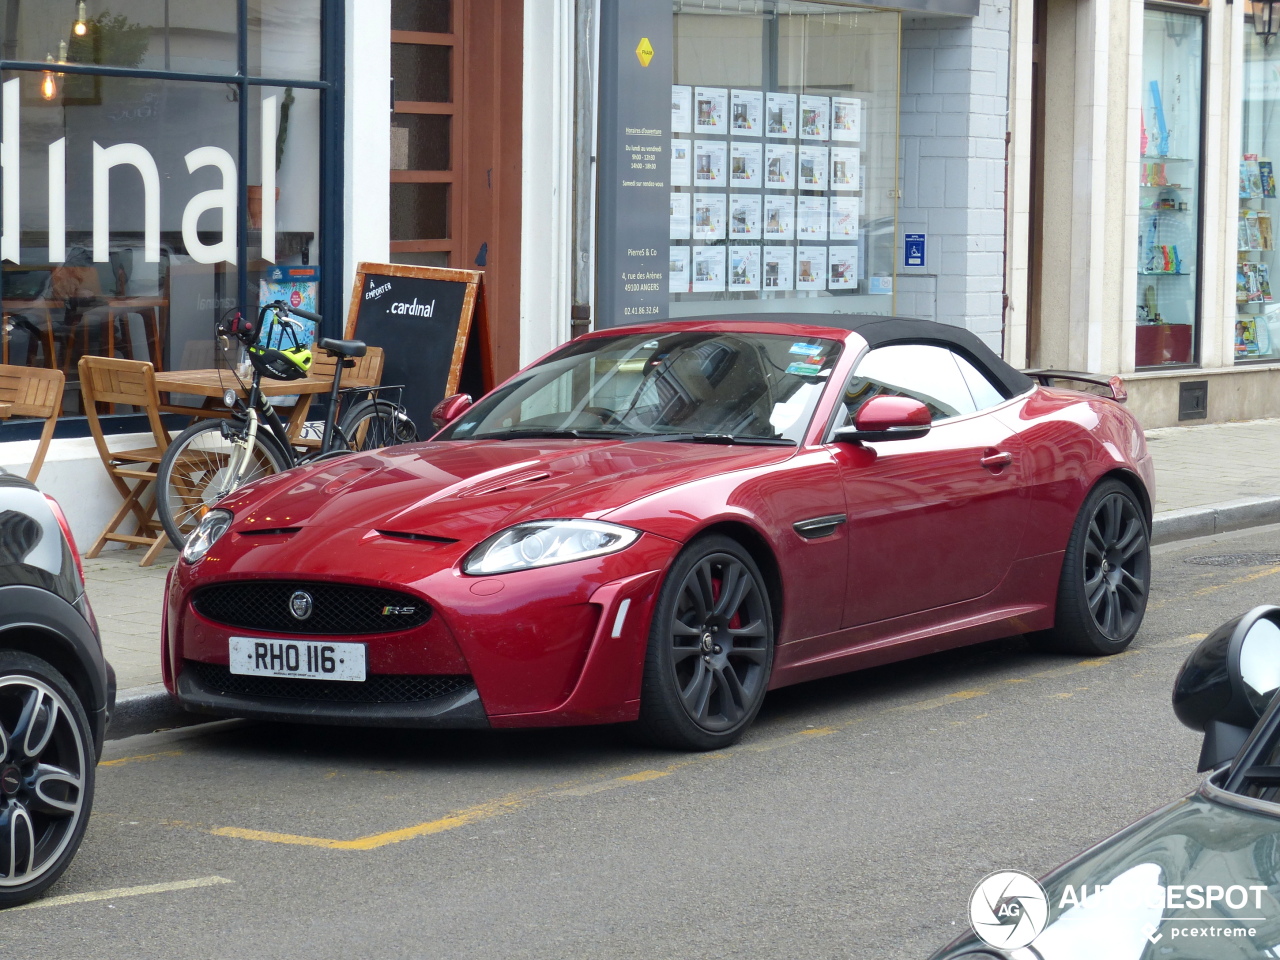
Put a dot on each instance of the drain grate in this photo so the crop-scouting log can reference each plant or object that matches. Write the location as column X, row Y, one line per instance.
column 1237, row 560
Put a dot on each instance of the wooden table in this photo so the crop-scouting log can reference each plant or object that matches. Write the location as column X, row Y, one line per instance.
column 215, row 383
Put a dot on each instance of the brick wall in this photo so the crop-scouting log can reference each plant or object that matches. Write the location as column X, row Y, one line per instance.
column 954, row 112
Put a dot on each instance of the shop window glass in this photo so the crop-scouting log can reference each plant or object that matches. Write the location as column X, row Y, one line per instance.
column 422, row 72
column 284, row 39
column 1169, row 188
column 784, row 158
column 423, row 16
column 1257, row 310
column 185, row 36
column 419, row 211
column 420, row 141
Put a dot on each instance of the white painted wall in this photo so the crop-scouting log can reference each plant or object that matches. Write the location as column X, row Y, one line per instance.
column 367, row 150
column 546, row 187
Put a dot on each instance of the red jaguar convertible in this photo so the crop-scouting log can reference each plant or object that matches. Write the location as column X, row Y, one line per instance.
column 658, row 523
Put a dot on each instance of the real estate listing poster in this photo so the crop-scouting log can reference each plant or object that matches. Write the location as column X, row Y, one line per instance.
column 745, row 162
column 682, row 163
column 709, row 163
column 778, row 268
column 779, row 217
column 780, row 114
column 815, row 117
column 681, row 205
column 779, row 166
column 744, row 267
column 681, row 109
column 678, row 273
column 708, row 269
column 842, row 267
column 708, row 216
column 811, row 268
column 711, row 107
column 744, row 216
column 844, row 217
column 811, row 218
column 846, row 119
column 844, row 168
column 746, row 113
column 813, row 167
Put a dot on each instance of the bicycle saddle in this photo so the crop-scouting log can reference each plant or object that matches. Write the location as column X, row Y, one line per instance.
column 342, row 348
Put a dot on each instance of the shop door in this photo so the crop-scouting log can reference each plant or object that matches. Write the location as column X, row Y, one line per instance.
column 457, row 74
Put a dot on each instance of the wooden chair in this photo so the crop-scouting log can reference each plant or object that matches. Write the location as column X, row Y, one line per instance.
column 367, row 372
column 32, row 392
column 132, row 472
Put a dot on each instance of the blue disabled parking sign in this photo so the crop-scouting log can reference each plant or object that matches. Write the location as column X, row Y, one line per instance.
column 913, row 249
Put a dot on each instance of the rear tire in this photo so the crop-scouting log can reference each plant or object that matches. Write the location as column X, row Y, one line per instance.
column 1106, row 575
column 193, row 474
column 710, row 649
column 372, row 424
column 46, row 776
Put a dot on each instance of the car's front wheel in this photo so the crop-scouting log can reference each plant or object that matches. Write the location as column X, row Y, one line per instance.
column 46, row 776
column 1106, row 574
column 710, row 649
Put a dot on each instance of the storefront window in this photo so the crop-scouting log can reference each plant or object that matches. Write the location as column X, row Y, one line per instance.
column 133, row 229
column 783, row 158
column 1257, row 316
column 1169, row 188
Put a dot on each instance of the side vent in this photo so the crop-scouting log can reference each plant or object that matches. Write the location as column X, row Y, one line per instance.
column 419, row 537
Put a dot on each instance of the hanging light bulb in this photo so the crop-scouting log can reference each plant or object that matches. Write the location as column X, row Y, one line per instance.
column 81, row 25
column 49, row 83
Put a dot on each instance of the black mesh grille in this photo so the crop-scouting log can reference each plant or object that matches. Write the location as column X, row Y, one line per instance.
column 336, row 608
column 392, row 688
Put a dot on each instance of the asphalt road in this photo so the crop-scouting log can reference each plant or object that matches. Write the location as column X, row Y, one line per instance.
column 852, row 822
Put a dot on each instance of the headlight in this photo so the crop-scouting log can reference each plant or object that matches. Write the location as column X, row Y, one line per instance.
column 545, row 542
column 214, row 524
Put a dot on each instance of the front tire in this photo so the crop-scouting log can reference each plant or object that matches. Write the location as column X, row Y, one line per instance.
column 710, row 649
column 1106, row 575
column 46, row 776
column 194, row 474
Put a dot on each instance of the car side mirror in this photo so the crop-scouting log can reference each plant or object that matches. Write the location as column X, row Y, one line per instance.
column 450, row 409
column 1228, row 681
column 887, row 418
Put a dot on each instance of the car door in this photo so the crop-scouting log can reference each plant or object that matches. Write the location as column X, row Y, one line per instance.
column 935, row 520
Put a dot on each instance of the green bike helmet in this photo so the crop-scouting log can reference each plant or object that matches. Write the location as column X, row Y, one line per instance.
column 291, row 363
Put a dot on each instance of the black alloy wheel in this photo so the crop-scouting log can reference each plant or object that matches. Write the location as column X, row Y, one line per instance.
column 46, row 776
column 1106, row 574
column 710, row 649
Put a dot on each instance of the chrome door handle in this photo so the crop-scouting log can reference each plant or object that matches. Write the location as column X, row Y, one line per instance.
column 994, row 461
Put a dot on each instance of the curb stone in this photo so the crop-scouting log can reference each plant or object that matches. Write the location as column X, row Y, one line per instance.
column 145, row 710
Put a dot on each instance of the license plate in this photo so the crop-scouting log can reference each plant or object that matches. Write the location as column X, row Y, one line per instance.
column 305, row 659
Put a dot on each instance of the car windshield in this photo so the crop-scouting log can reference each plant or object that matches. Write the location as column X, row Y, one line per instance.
column 694, row 385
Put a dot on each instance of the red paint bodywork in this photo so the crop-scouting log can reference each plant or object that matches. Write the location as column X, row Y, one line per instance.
column 939, row 549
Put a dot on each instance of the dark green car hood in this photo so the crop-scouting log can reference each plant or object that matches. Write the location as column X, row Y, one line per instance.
column 1207, row 839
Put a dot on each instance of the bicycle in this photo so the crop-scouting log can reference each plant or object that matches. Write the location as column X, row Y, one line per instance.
column 212, row 458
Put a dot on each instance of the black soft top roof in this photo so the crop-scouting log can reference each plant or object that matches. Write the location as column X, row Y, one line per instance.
column 879, row 331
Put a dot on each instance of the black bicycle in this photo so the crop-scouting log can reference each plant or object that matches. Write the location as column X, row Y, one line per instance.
column 211, row 458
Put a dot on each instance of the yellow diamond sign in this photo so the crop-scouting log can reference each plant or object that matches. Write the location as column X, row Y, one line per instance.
column 644, row 52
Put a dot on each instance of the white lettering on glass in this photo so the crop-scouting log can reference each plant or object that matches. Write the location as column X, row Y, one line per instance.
column 136, row 156
column 9, row 184
column 270, row 123
column 221, row 198
column 58, row 201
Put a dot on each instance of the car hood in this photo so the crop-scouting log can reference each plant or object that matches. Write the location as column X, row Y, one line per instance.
column 1140, row 885
column 466, row 490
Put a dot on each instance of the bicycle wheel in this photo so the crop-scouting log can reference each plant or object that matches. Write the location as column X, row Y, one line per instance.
column 371, row 424
column 195, row 473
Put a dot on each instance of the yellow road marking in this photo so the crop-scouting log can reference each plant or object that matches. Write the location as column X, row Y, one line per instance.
column 644, row 775
column 936, row 702
column 121, row 892
column 142, row 758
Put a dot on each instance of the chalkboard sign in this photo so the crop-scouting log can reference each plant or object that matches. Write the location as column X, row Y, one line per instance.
column 421, row 317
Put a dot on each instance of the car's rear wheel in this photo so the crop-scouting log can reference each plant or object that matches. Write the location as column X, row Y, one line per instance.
column 1106, row 574
column 46, row 776
column 710, row 649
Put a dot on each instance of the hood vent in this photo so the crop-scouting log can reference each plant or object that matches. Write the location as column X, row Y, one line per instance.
column 419, row 537
column 273, row 532
column 505, row 483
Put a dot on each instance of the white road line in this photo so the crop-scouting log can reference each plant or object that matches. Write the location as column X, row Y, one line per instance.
column 120, row 892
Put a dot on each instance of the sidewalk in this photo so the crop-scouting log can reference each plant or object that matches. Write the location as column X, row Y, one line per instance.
column 1208, row 479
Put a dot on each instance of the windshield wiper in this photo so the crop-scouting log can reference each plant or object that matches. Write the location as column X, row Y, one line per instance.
column 725, row 438
column 553, row 435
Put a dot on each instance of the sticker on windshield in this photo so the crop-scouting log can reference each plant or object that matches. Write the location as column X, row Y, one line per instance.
column 806, row 349
column 804, row 369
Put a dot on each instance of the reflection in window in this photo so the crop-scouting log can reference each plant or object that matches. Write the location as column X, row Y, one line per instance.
column 924, row 373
